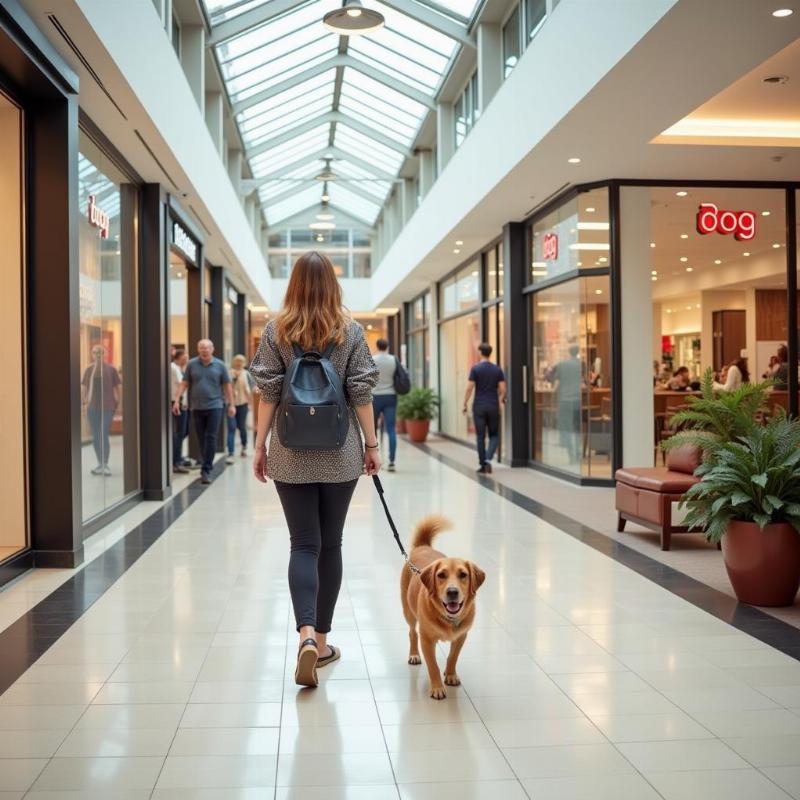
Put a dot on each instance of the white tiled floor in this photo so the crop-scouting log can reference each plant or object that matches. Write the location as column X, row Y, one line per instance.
column 580, row 680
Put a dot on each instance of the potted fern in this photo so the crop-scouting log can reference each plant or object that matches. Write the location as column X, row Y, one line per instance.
column 749, row 499
column 418, row 408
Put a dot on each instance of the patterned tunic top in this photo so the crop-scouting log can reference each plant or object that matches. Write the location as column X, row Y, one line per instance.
column 353, row 361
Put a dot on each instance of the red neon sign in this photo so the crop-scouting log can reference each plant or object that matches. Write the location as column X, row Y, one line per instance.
column 742, row 224
column 98, row 217
column 550, row 247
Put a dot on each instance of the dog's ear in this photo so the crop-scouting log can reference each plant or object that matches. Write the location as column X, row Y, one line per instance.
column 476, row 576
column 428, row 576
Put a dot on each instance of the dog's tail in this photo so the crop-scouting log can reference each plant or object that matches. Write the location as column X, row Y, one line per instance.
column 428, row 528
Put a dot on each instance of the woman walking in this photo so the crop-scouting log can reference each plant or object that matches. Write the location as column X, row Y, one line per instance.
column 315, row 486
column 240, row 380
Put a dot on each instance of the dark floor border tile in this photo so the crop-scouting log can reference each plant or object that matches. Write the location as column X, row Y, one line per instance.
column 748, row 619
column 27, row 639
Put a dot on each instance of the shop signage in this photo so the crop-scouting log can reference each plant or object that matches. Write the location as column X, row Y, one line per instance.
column 97, row 217
column 550, row 247
column 742, row 224
column 184, row 242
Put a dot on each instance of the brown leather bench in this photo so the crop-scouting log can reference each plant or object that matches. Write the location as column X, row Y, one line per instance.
column 645, row 494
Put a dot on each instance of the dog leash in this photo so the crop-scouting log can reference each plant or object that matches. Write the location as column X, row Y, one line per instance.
column 379, row 487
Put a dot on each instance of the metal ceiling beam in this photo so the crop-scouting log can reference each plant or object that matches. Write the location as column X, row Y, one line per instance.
column 328, row 117
column 249, row 185
column 268, row 11
column 433, row 19
column 339, row 60
column 250, row 19
column 301, row 186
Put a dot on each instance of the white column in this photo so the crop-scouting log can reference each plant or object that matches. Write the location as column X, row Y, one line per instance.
column 445, row 134
column 214, row 119
column 490, row 62
column 433, row 333
column 193, row 52
column 235, row 169
column 409, row 199
column 427, row 171
column 637, row 328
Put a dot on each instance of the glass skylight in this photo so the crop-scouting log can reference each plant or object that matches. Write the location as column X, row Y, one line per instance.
column 378, row 119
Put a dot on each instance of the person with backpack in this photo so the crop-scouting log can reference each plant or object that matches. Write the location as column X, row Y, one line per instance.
column 316, row 376
column 392, row 381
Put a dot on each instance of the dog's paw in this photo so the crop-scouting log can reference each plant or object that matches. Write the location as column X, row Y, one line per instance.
column 438, row 692
column 414, row 660
column 452, row 680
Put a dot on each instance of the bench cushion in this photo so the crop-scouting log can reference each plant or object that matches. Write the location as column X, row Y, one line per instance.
column 656, row 479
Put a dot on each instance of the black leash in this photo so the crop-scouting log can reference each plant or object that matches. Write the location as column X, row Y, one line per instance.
column 379, row 486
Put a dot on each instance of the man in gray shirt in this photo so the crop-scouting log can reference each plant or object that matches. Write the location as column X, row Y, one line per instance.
column 206, row 378
column 384, row 396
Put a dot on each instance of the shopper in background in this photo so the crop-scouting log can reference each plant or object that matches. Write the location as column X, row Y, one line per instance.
column 736, row 373
column 315, row 486
column 180, row 422
column 384, row 396
column 781, row 372
column 242, row 395
column 209, row 386
column 488, row 382
column 100, row 395
column 680, row 380
column 568, row 384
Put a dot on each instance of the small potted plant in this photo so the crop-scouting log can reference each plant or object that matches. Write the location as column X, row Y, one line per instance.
column 418, row 408
column 749, row 499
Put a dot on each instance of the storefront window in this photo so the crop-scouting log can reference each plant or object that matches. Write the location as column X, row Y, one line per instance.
column 458, row 346
column 572, row 423
column 13, row 491
column 573, row 236
column 418, row 340
column 107, row 331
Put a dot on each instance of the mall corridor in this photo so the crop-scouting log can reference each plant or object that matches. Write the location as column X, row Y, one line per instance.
column 581, row 678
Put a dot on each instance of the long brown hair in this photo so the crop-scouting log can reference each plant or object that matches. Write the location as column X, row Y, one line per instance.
column 312, row 313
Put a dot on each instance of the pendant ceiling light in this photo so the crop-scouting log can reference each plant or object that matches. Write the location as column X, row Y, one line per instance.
column 327, row 173
column 322, row 226
column 325, row 213
column 353, row 19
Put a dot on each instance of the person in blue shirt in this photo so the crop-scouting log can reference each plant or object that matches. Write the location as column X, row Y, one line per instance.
column 488, row 383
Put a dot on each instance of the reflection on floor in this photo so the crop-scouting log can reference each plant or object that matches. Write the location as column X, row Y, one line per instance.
column 581, row 678
column 101, row 491
column 594, row 507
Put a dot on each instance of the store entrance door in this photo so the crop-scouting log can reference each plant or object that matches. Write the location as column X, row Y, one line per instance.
column 13, row 468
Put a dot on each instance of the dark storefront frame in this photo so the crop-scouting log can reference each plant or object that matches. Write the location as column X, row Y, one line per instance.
column 614, row 272
column 423, row 331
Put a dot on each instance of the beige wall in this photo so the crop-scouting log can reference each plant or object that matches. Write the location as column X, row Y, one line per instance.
column 12, row 437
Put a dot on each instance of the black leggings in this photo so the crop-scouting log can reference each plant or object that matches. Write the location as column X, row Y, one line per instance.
column 315, row 513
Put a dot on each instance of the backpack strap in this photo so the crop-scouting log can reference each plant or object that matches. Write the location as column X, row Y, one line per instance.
column 298, row 351
column 326, row 353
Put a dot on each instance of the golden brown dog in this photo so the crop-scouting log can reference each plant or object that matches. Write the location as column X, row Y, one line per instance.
column 440, row 602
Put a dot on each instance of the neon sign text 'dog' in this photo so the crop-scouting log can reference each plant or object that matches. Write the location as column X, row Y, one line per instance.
column 742, row 224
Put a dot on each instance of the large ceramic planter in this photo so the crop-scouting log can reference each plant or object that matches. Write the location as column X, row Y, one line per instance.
column 400, row 426
column 417, row 429
column 763, row 566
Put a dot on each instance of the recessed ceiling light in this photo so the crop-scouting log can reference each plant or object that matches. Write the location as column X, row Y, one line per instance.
column 654, row 279
column 456, row 251
column 602, row 260
column 590, row 210
column 688, row 308
column 669, row 311
column 580, row 263
column 765, row 213
column 459, row 242
column 574, row 160
column 681, row 194
column 652, row 244
column 717, row 260
column 598, row 291
column 776, row 245
column 782, row 12
column 654, row 272
column 684, row 259
column 684, row 236
column 690, row 269
column 745, row 254
column 697, row 305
